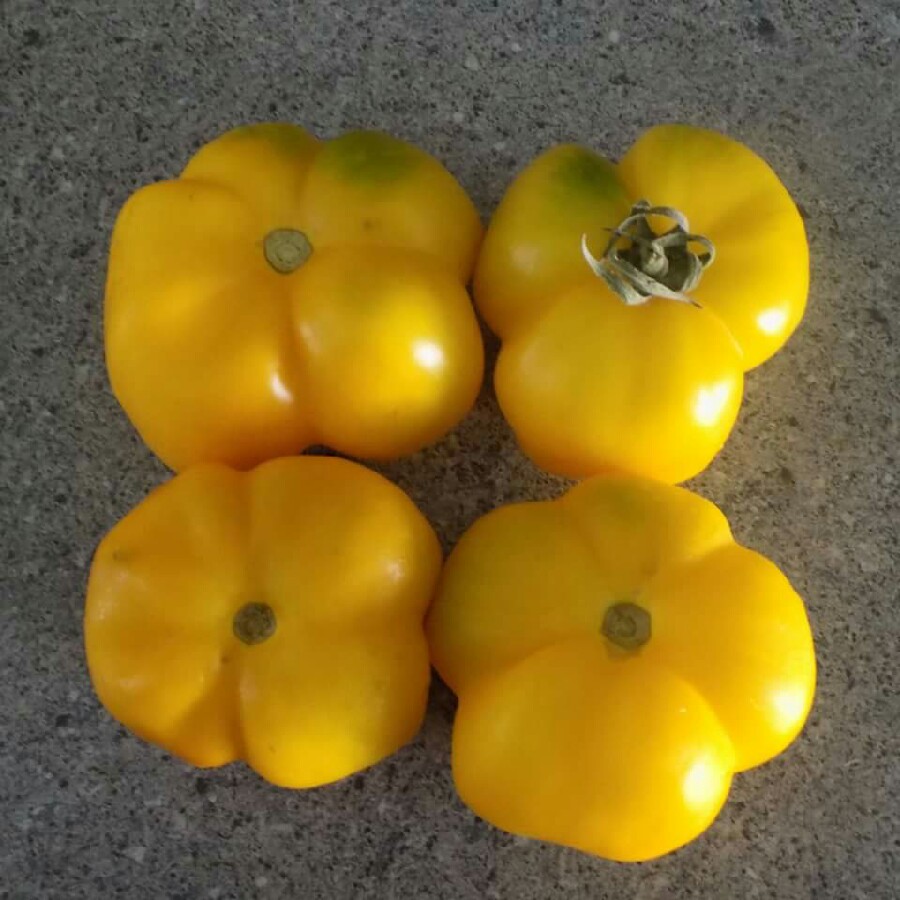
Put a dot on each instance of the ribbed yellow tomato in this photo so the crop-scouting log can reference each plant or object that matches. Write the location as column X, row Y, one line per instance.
column 273, row 616
column 284, row 292
column 617, row 657
column 590, row 383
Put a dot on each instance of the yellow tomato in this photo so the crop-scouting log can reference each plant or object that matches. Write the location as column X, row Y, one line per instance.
column 273, row 616
column 285, row 292
column 617, row 658
column 591, row 384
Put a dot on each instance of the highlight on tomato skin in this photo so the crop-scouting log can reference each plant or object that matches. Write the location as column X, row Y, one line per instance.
column 631, row 298
column 618, row 658
column 286, row 291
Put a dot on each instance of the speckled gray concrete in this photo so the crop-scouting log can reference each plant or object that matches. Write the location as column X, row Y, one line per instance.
column 100, row 98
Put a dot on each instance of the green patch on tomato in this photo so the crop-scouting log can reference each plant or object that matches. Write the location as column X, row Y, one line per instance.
column 369, row 157
column 582, row 177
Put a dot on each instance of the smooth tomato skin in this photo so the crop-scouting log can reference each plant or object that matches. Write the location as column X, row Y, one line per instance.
column 652, row 390
column 392, row 350
column 605, row 775
column 347, row 564
column 593, row 385
column 564, row 736
column 207, row 345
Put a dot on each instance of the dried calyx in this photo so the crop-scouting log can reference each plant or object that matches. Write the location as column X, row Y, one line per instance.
column 637, row 263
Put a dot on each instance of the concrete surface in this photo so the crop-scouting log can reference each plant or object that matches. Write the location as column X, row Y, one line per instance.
column 99, row 98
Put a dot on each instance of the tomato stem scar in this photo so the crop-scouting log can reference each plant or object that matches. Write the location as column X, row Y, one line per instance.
column 627, row 625
column 254, row 623
column 286, row 249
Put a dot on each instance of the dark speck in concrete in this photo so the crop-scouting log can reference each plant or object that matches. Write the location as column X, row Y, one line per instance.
column 787, row 476
column 877, row 316
column 765, row 28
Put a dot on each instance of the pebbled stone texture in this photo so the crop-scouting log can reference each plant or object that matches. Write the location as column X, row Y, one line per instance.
column 100, row 97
